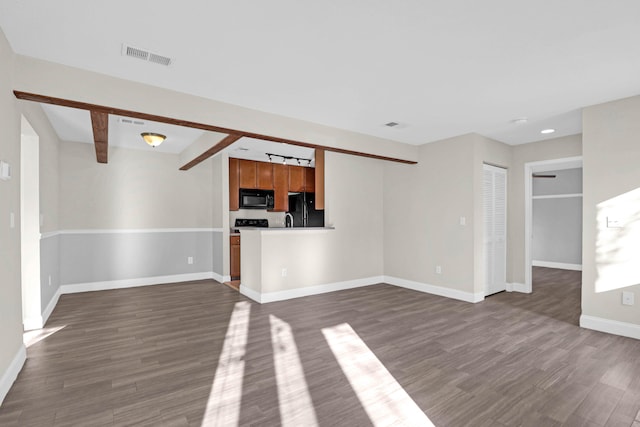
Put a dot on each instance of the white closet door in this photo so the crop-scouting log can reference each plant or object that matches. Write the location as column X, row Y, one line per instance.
column 494, row 200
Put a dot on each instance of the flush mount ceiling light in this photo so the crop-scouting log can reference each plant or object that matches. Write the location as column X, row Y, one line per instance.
column 547, row 131
column 153, row 139
column 520, row 120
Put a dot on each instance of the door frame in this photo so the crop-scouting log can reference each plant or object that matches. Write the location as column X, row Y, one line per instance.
column 529, row 169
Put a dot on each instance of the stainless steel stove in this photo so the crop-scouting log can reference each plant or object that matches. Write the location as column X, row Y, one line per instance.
column 249, row 223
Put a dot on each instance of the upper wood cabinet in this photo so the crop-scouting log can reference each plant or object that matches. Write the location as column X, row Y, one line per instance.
column 264, row 173
column 296, row 178
column 278, row 177
column 280, row 188
column 310, row 180
column 234, row 184
column 248, row 174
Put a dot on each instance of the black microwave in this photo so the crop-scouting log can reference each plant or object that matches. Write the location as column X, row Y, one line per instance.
column 256, row 199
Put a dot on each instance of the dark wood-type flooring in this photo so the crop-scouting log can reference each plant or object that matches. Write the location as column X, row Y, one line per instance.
column 148, row 356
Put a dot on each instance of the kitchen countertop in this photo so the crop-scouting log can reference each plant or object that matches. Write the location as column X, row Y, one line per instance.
column 282, row 229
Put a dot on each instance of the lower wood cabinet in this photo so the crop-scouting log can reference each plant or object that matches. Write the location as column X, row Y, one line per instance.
column 235, row 257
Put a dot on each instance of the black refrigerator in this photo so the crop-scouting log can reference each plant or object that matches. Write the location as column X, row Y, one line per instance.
column 302, row 208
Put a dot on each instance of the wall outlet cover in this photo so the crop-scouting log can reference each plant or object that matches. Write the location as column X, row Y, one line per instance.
column 628, row 298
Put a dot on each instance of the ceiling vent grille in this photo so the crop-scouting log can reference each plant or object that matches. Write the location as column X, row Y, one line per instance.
column 145, row 55
column 391, row 124
column 131, row 121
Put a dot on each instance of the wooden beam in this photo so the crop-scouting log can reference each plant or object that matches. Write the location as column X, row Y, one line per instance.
column 179, row 122
column 227, row 141
column 100, row 124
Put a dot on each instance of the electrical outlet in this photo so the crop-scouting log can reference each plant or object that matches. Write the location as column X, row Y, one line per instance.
column 284, row 272
column 438, row 269
column 628, row 298
column 463, row 220
column 49, row 280
column 12, row 220
column 190, row 260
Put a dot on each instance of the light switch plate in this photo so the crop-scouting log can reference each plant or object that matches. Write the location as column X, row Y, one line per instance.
column 5, row 170
column 628, row 298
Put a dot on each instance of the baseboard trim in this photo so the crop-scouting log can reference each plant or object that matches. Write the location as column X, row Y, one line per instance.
column 52, row 304
column 560, row 265
column 219, row 277
column 131, row 283
column 266, row 297
column 435, row 290
column 518, row 287
column 630, row 330
column 11, row 374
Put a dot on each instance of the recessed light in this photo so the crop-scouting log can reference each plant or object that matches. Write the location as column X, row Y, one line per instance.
column 520, row 121
column 546, row 131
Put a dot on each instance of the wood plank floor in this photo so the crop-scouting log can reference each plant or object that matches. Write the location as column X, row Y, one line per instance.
column 148, row 356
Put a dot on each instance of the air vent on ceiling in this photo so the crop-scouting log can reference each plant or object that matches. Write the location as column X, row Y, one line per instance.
column 130, row 121
column 391, row 124
column 145, row 55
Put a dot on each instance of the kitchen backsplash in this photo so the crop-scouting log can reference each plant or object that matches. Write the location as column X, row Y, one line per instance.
column 276, row 219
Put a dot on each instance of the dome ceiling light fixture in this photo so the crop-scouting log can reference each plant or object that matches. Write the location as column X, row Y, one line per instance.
column 153, row 139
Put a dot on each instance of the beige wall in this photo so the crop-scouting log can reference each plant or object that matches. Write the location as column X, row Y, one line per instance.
column 557, row 148
column 423, row 205
column 135, row 190
column 611, row 170
column 10, row 295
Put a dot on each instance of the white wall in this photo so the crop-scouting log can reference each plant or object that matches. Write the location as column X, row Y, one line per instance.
column 611, row 189
column 557, row 221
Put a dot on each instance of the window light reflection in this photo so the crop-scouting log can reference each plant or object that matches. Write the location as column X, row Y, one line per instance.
column 296, row 407
column 382, row 397
column 223, row 406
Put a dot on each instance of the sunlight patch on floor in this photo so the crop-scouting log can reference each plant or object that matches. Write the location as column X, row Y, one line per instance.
column 223, row 406
column 383, row 398
column 37, row 335
column 296, row 407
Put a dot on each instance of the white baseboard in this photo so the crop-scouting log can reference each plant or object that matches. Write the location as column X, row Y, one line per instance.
column 9, row 376
column 518, row 287
column 624, row 329
column 130, row 283
column 435, row 290
column 49, row 309
column 265, row 297
column 560, row 265
column 220, row 278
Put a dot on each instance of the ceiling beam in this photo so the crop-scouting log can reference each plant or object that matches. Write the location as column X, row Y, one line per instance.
column 100, row 124
column 226, row 141
column 179, row 122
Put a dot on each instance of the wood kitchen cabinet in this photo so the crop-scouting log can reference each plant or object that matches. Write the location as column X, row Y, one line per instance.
column 248, row 174
column 296, row 178
column 310, row 180
column 280, row 188
column 235, row 257
column 264, row 176
column 234, row 184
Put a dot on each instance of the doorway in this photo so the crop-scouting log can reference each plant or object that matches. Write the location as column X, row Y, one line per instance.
column 30, row 226
column 544, row 170
column 494, row 205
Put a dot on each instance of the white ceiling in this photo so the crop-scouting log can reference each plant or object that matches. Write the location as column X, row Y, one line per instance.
column 440, row 68
column 75, row 125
